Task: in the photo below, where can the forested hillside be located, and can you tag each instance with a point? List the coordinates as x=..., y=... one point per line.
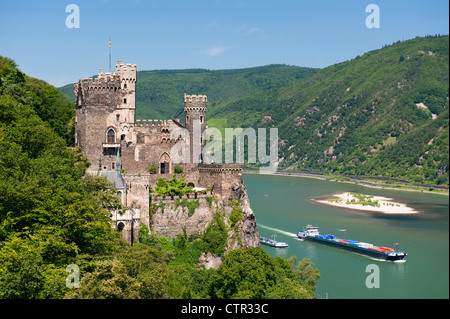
x=52, y=215
x=381, y=114
x=159, y=94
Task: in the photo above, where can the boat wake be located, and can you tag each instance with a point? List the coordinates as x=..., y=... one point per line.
x=278, y=231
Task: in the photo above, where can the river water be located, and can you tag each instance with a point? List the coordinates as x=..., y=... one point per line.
x=282, y=207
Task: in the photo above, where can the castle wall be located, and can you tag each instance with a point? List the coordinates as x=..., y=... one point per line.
x=223, y=176
x=108, y=104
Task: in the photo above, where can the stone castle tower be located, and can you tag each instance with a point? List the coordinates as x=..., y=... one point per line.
x=105, y=109
x=134, y=154
x=195, y=113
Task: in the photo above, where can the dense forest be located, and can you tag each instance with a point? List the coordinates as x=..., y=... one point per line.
x=384, y=113
x=159, y=93
x=53, y=216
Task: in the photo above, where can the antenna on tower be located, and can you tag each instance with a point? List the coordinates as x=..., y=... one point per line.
x=109, y=44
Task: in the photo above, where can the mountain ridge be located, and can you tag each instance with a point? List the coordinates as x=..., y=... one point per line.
x=384, y=113
x=381, y=114
x=159, y=93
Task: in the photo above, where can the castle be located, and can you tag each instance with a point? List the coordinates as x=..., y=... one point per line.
x=127, y=151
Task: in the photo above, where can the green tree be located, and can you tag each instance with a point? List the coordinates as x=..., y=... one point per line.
x=108, y=281
x=24, y=272
x=252, y=273
x=305, y=272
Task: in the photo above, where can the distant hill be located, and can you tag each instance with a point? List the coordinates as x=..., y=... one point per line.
x=381, y=114
x=159, y=93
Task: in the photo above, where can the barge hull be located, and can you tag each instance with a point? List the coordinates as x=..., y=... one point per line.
x=359, y=250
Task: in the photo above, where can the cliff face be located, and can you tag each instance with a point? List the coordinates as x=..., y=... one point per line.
x=245, y=234
x=170, y=217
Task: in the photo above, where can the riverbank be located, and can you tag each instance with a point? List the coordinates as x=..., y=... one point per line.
x=370, y=203
x=369, y=184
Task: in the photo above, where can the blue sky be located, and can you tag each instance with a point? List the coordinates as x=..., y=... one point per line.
x=211, y=34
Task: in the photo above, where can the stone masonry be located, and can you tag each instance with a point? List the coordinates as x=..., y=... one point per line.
x=124, y=149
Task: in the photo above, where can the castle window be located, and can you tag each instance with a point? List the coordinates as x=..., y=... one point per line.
x=125, y=86
x=111, y=136
x=201, y=119
x=117, y=117
x=124, y=101
x=164, y=164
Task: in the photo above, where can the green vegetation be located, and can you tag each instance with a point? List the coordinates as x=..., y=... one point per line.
x=173, y=187
x=236, y=213
x=215, y=236
x=162, y=268
x=376, y=115
x=365, y=200
x=252, y=273
x=190, y=204
x=382, y=114
x=51, y=216
x=178, y=169
x=45, y=100
x=159, y=94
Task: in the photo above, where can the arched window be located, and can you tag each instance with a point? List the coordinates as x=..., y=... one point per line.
x=164, y=164
x=111, y=136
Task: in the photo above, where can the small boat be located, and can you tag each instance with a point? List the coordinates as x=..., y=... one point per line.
x=272, y=243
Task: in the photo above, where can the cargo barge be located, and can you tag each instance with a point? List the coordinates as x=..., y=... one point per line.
x=272, y=243
x=385, y=253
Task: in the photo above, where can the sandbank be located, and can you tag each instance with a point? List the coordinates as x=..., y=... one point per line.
x=370, y=203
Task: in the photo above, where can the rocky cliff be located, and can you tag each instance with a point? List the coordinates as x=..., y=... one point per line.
x=172, y=216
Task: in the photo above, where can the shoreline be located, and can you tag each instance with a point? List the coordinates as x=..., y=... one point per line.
x=368, y=203
x=375, y=185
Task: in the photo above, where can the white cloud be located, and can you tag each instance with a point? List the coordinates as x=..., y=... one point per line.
x=251, y=30
x=212, y=25
x=215, y=50
x=246, y=30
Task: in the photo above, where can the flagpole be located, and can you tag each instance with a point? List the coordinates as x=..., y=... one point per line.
x=109, y=44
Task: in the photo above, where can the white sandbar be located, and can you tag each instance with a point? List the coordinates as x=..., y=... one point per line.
x=385, y=205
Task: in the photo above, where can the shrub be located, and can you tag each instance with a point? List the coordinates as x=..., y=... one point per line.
x=152, y=169
x=178, y=169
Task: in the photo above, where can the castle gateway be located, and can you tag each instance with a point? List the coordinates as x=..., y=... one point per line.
x=134, y=154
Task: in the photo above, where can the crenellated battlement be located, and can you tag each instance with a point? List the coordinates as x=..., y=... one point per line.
x=135, y=154
x=195, y=98
x=107, y=81
x=103, y=82
x=113, y=89
x=221, y=168
x=123, y=68
x=163, y=123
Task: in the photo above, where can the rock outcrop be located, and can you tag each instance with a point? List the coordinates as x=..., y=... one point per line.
x=170, y=217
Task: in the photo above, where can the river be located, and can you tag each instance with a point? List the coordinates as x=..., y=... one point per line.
x=282, y=207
